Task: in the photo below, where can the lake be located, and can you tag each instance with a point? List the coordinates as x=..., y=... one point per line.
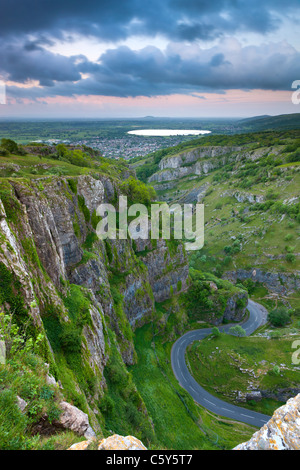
x=167, y=132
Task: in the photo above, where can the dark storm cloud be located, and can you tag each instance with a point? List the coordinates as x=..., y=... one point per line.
x=27, y=27
x=123, y=72
x=118, y=19
x=30, y=61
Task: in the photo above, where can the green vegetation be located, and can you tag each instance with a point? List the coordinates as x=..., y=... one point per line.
x=40, y=160
x=137, y=192
x=279, y=316
x=226, y=364
x=207, y=296
x=122, y=406
x=251, y=221
x=147, y=166
x=24, y=374
x=171, y=408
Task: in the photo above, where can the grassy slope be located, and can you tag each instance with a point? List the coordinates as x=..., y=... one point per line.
x=178, y=421
x=216, y=363
x=263, y=232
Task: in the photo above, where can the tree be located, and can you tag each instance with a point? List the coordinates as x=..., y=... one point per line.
x=10, y=145
x=237, y=331
x=279, y=317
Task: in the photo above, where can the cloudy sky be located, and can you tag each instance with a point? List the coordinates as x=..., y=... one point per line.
x=127, y=58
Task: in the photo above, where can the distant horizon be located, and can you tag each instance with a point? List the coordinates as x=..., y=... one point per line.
x=115, y=118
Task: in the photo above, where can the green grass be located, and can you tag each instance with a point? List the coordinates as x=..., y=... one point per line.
x=226, y=364
x=179, y=422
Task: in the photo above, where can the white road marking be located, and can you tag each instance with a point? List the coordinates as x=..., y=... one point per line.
x=226, y=409
x=210, y=402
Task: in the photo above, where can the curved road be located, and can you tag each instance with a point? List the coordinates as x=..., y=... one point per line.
x=256, y=318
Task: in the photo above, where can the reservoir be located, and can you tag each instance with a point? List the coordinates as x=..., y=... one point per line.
x=167, y=132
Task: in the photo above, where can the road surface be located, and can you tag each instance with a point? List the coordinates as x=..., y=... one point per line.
x=256, y=318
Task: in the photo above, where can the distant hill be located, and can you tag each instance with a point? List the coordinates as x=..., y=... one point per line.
x=261, y=123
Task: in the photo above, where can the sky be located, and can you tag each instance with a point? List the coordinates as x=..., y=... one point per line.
x=132, y=58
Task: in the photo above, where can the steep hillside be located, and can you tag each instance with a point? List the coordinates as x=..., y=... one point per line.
x=77, y=298
x=251, y=198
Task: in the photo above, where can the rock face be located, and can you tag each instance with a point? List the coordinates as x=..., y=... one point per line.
x=71, y=418
x=199, y=161
x=281, y=432
x=167, y=267
x=48, y=245
x=279, y=283
x=74, y=419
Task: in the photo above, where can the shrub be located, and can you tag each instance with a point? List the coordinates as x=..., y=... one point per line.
x=290, y=257
x=9, y=145
x=237, y=331
x=279, y=317
x=137, y=191
x=215, y=331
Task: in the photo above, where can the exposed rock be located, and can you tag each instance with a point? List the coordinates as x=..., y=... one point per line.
x=71, y=418
x=242, y=196
x=280, y=283
x=280, y=394
x=117, y=442
x=199, y=161
x=2, y=210
x=168, y=271
x=21, y=403
x=83, y=445
x=281, y=432
x=254, y=395
x=114, y=442
x=2, y=352
x=44, y=248
x=74, y=419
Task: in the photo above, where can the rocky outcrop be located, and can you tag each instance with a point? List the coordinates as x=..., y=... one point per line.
x=117, y=442
x=75, y=420
x=114, y=442
x=201, y=160
x=281, y=432
x=71, y=419
x=279, y=283
x=186, y=158
x=242, y=196
x=167, y=266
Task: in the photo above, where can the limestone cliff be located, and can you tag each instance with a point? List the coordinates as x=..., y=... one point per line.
x=279, y=283
x=72, y=287
x=281, y=432
x=201, y=160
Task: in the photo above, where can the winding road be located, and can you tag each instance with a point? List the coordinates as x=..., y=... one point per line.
x=256, y=318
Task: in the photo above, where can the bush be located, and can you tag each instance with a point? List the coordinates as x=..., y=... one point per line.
x=70, y=340
x=290, y=257
x=237, y=331
x=107, y=405
x=10, y=146
x=294, y=157
x=138, y=192
x=215, y=331
x=279, y=317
